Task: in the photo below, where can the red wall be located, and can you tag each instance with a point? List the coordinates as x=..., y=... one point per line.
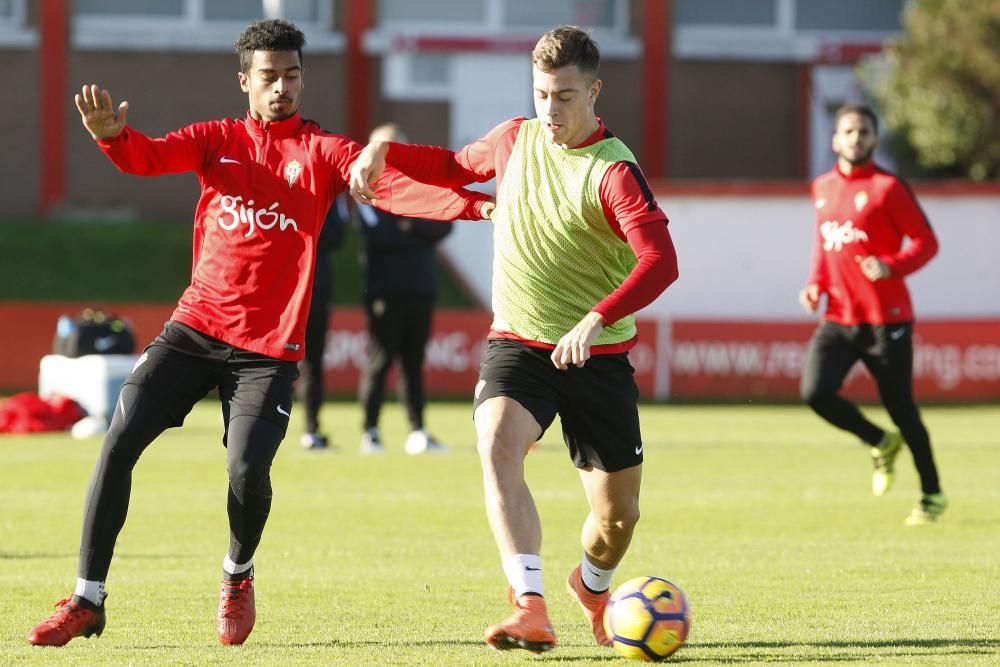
x=954, y=360
x=27, y=331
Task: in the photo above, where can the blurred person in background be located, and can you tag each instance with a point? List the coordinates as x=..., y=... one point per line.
x=580, y=245
x=267, y=182
x=400, y=285
x=311, y=380
x=859, y=261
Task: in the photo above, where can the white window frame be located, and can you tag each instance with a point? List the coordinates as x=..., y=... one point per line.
x=191, y=31
x=398, y=84
x=14, y=31
x=615, y=41
x=782, y=41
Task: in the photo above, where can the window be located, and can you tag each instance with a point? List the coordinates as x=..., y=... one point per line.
x=211, y=10
x=426, y=42
x=241, y=10
x=211, y=25
x=432, y=11
x=417, y=76
x=595, y=13
x=430, y=69
x=139, y=8
x=848, y=15
x=13, y=28
x=726, y=12
x=797, y=30
x=495, y=16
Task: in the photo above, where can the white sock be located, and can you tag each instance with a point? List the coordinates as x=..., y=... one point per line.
x=594, y=578
x=235, y=568
x=92, y=591
x=524, y=573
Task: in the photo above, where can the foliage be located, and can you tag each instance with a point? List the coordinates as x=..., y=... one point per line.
x=938, y=87
x=136, y=261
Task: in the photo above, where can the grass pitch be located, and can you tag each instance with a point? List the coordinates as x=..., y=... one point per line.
x=762, y=514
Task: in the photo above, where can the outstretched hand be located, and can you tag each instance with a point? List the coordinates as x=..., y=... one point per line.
x=366, y=170
x=98, y=114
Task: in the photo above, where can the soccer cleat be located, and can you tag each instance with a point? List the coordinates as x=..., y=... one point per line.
x=371, y=443
x=528, y=627
x=884, y=458
x=593, y=605
x=420, y=442
x=314, y=441
x=72, y=619
x=928, y=510
x=237, y=611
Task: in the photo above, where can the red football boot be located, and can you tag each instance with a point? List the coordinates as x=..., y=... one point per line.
x=593, y=605
x=71, y=619
x=528, y=627
x=237, y=612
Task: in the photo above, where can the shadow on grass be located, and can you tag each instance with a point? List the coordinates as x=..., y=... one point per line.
x=424, y=643
x=741, y=652
x=51, y=556
x=837, y=651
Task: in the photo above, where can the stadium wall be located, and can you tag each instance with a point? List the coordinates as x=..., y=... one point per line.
x=956, y=360
x=730, y=328
x=744, y=253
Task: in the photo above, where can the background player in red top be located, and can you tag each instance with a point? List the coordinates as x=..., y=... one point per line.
x=859, y=263
x=577, y=249
x=267, y=181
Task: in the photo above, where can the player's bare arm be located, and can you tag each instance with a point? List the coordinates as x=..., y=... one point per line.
x=873, y=268
x=574, y=347
x=809, y=297
x=98, y=112
x=366, y=170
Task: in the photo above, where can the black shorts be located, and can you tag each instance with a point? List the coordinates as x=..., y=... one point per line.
x=182, y=365
x=597, y=404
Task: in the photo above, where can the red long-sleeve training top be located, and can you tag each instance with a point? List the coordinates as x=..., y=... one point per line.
x=265, y=190
x=867, y=213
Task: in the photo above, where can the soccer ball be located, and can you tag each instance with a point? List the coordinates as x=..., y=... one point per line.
x=647, y=618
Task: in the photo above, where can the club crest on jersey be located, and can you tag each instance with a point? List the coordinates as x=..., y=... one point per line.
x=860, y=200
x=292, y=172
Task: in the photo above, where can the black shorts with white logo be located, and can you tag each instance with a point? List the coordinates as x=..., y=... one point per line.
x=597, y=404
x=182, y=365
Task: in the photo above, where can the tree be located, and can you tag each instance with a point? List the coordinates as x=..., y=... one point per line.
x=938, y=87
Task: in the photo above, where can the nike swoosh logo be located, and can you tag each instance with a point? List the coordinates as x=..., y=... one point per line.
x=283, y=412
x=228, y=160
x=532, y=569
x=104, y=343
x=897, y=334
x=638, y=450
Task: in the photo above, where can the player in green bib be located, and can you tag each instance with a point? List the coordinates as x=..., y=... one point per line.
x=579, y=245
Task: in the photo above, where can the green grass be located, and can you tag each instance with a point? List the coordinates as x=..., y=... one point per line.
x=762, y=514
x=143, y=261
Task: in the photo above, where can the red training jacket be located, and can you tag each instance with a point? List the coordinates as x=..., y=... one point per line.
x=867, y=212
x=266, y=188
